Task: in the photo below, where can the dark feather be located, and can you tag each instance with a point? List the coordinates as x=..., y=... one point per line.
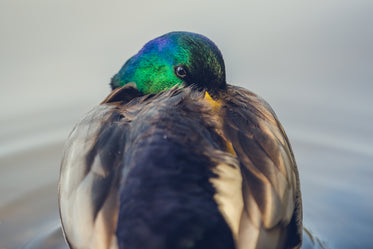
x=165, y=196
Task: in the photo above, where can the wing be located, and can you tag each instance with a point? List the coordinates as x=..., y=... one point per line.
x=272, y=201
x=90, y=172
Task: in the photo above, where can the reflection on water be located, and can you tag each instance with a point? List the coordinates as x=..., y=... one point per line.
x=54, y=240
x=312, y=242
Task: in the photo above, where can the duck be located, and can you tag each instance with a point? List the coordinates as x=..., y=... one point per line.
x=176, y=158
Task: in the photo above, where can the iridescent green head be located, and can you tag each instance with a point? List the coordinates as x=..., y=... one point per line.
x=176, y=58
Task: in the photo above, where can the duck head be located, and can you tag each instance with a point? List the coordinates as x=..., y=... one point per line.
x=176, y=58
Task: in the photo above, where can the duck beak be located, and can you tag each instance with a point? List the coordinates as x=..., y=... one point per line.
x=215, y=104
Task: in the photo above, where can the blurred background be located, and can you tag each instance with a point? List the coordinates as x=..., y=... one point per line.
x=311, y=60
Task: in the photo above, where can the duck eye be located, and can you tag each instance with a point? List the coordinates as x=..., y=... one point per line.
x=180, y=72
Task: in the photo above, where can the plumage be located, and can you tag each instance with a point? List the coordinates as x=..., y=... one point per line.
x=197, y=164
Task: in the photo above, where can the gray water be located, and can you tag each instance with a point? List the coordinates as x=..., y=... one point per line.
x=312, y=61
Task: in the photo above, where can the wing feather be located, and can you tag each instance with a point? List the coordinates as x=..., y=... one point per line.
x=90, y=174
x=271, y=189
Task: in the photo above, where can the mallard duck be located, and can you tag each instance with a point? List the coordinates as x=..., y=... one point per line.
x=176, y=158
